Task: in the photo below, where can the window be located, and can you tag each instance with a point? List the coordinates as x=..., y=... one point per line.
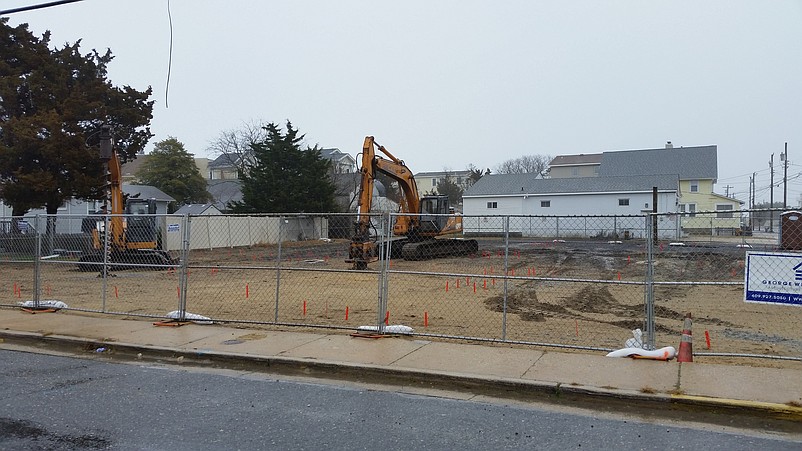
x=545, y=203
x=434, y=182
x=92, y=206
x=623, y=202
x=694, y=186
x=689, y=208
x=575, y=172
x=492, y=205
x=724, y=210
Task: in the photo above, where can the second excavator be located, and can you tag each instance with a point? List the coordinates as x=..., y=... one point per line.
x=416, y=230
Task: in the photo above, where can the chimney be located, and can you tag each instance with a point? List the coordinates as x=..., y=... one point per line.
x=669, y=145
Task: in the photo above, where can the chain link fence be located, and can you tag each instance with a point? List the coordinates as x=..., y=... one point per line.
x=583, y=282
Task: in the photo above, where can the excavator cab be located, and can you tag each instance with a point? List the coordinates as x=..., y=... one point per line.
x=140, y=228
x=432, y=209
x=419, y=231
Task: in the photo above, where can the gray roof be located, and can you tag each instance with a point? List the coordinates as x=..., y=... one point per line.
x=443, y=174
x=226, y=160
x=146, y=192
x=130, y=168
x=689, y=163
x=223, y=192
x=512, y=184
x=334, y=154
x=581, y=159
x=196, y=209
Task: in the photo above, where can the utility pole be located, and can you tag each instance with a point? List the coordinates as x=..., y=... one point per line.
x=727, y=190
x=751, y=198
x=785, y=177
x=771, y=199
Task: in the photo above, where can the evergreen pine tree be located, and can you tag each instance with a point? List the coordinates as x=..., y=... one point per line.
x=285, y=178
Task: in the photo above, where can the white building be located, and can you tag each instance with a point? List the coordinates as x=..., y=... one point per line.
x=617, y=205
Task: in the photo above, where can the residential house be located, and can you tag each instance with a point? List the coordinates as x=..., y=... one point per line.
x=129, y=169
x=198, y=210
x=427, y=181
x=224, y=185
x=558, y=203
x=341, y=163
x=73, y=211
x=225, y=166
x=696, y=167
x=569, y=166
x=224, y=192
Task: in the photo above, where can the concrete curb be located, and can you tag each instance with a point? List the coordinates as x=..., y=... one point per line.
x=504, y=388
x=779, y=410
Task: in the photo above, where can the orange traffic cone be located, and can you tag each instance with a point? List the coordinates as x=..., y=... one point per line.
x=685, y=353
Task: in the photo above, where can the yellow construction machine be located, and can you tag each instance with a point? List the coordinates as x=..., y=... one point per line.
x=133, y=235
x=422, y=219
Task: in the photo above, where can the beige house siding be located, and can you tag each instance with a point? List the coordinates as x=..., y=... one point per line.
x=427, y=181
x=563, y=172
x=721, y=217
x=223, y=174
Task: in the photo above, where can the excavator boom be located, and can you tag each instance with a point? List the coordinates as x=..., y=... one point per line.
x=422, y=219
x=132, y=235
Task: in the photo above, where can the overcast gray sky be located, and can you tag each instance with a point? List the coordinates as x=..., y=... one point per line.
x=444, y=84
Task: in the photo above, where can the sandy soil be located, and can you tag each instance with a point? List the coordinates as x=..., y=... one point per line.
x=462, y=296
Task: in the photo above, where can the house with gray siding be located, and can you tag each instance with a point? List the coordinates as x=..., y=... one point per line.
x=617, y=205
x=70, y=215
x=696, y=167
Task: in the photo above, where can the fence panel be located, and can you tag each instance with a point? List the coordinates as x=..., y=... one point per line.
x=703, y=272
x=291, y=274
x=17, y=260
x=76, y=269
x=568, y=281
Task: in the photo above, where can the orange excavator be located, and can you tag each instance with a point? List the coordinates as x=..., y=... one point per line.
x=415, y=231
x=132, y=230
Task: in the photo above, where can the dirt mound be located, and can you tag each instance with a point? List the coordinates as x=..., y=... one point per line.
x=594, y=299
x=588, y=303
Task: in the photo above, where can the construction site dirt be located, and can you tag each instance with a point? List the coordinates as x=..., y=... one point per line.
x=586, y=294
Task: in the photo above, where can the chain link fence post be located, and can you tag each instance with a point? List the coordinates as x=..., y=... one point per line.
x=37, y=263
x=104, y=270
x=184, y=273
x=506, y=275
x=648, y=295
x=278, y=264
x=384, y=253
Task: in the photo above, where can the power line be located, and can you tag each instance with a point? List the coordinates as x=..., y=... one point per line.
x=35, y=7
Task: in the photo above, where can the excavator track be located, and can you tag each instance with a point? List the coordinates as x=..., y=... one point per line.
x=438, y=248
x=138, y=259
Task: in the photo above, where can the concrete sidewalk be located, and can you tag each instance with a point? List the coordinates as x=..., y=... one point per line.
x=413, y=362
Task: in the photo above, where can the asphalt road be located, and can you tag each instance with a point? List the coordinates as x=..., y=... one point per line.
x=58, y=402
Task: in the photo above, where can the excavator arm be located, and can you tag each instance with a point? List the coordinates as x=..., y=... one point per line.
x=363, y=247
x=394, y=168
x=109, y=156
x=132, y=234
x=424, y=219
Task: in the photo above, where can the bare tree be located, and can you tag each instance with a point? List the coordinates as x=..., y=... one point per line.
x=527, y=164
x=235, y=144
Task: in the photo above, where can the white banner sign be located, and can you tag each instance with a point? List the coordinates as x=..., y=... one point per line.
x=773, y=278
